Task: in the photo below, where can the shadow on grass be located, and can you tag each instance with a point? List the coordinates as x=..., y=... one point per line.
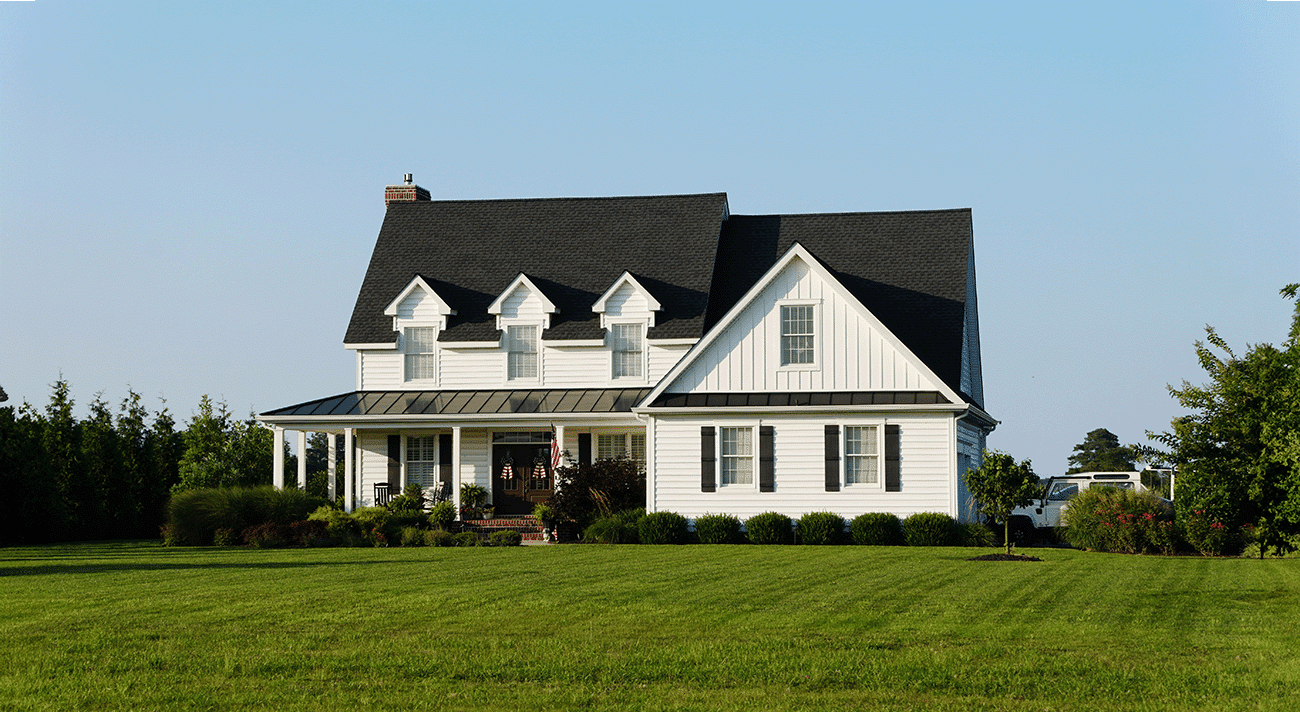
x=61, y=569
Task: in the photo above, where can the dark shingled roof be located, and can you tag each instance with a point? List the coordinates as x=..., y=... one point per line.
x=571, y=248
x=908, y=268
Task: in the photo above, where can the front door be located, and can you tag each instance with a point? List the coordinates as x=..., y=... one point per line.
x=521, y=477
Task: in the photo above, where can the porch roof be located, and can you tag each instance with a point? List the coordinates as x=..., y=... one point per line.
x=489, y=402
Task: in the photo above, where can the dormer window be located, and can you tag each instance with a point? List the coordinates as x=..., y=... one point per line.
x=521, y=353
x=421, y=354
x=628, y=348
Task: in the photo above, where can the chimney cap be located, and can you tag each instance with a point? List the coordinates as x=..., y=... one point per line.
x=408, y=178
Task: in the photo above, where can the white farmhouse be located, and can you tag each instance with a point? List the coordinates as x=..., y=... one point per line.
x=753, y=363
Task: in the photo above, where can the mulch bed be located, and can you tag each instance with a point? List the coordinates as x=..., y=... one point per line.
x=1003, y=557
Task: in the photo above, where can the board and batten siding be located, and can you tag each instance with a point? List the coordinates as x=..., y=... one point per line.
x=926, y=451
x=852, y=354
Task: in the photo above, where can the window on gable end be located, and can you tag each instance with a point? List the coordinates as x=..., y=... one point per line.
x=798, y=334
x=421, y=344
x=628, y=350
x=521, y=359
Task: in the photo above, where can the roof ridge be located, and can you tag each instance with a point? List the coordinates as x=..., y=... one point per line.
x=582, y=198
x=855, y=212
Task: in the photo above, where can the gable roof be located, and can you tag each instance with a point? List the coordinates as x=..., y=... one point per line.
x=908, y=268
x=573, y=249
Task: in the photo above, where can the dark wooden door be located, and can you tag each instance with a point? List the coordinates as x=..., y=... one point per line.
x=529, y=481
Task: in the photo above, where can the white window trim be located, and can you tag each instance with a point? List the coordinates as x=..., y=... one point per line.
x=505, y=350
x=644, y=378
x=437, y=359
x=753, y=455
x=819, y=335
x=627, y=434
x=406, y=457
x=879, y=484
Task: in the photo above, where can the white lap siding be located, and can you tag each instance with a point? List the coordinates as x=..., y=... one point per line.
x=926, y=454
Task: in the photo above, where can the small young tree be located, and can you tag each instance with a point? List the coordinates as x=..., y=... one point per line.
x=999, y=485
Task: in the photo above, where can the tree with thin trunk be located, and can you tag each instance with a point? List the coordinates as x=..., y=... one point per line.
x=999, y=485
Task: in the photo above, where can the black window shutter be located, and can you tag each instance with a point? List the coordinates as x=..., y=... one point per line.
x=708, y=460
x=444, y=458
x=584, y=448
x=766, y=458
x=395, y=464
x=893, y=482
x=832, y=458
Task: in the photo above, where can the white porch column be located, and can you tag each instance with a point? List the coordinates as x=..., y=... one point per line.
x=559, y=443
x=455, y=468
x=302, y=459
x=349, y=442
x=333, y=464
x=277, y=457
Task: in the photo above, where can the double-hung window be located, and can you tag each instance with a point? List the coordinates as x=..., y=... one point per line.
x=421, y=342
x=521, y=347
x=422, y=460
x=861, y=455
x=626, y=343
x=737, y=450
x=798, y=334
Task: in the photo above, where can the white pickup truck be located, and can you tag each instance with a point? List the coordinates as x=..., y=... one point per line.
x=1027, y=522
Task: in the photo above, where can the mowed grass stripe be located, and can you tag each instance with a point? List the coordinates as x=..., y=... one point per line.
x=134, y=626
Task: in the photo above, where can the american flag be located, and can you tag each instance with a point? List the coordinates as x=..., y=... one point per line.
x=555, y=449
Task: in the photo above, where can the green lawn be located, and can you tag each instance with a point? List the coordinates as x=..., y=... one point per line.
x=135, y=626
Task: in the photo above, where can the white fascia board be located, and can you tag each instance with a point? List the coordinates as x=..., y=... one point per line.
x=673, y=342
x=470, y=344
x=573, y=343
x=443, y=308
x=360, y=347
x=626, y=278
x=522, y=280
x=801, y=253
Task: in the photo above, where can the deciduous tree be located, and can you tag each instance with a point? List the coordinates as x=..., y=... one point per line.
x=1100, y=451
x=999, y=485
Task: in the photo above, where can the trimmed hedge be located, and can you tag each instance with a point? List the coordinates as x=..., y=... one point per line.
x=770, y=528
x=663, y=528
x=719, y=529
x=928, y=529
x=877, y=529
x=821, y=528
x=505, y=537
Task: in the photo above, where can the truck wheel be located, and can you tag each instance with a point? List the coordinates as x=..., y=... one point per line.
x=1023, y=532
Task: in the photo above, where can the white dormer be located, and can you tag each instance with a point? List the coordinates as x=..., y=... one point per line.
x=522, y=302
x=418, y=305
x=626, y=301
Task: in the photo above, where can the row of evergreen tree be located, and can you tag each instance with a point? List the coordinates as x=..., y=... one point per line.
x=110, y=475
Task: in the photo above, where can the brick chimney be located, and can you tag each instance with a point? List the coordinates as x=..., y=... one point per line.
x=408, y=192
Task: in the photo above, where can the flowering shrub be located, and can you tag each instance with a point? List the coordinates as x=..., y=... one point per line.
x=1211, y=537
x=1119, y=520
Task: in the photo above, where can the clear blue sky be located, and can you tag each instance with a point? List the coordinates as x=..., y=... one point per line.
x=189, y=193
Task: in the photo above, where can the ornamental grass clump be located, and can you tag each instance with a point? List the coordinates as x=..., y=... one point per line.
x=821, y=528
x=877, y=529
x=196, y=515
x=770, y=528
x=719, y=529
x=663, y=528
x=1119, y=520
x=928, y=529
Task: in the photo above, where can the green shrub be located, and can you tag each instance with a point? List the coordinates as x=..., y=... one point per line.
x=1118, y=520
x=411, y=536
x=439, y=537
x=442, y=514
x=770, y=528
x=467, y=539
x=407, y=518
x=975, y=534
x=877, y=529
x=1211, y=537
x=170, y=536
x=197, y=514
x=226, y=536
x=586, y=492
x=339, y=525
x=309, y=532
x=544, y=512
x=821, y=528
x=928, y=529
x=619, y=528
x=719, y=529
x=663, y=528
x=505, y=537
